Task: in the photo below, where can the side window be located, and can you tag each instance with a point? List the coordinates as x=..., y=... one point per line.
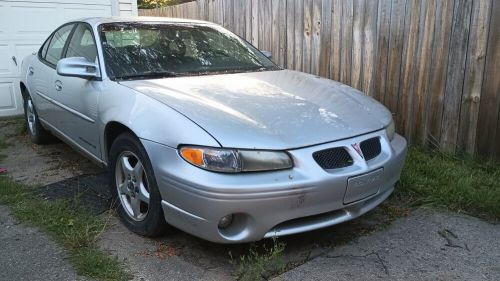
x=56, y=45
x=45, y=46
x=82, y=44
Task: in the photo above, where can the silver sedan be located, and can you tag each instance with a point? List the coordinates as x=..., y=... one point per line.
x=201, y=131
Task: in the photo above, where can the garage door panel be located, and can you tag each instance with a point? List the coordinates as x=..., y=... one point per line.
x=3, y=19
x=20, y=14
x=6, y=99
x=71, y=12
x=87, y=2
x=6, y=68
x=10, y=98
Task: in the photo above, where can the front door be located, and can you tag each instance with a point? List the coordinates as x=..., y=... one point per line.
x=78, y=97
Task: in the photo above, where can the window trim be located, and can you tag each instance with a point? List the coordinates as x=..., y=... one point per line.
x=49, y=40
x=65, y=49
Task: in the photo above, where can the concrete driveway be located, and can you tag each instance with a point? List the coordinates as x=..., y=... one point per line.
x=423, y=245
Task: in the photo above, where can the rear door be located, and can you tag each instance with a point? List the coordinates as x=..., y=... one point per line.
x=42, y=72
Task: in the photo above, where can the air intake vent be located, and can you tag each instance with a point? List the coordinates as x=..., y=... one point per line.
x=333, y=158
x=371, y=148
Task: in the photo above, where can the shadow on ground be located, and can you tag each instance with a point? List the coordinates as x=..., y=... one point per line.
x=186, y=251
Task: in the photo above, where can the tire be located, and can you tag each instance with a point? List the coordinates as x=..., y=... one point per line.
x=134, y=188
x=36, y=131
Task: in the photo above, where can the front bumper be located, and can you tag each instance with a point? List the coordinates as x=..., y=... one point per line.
x=268, y=204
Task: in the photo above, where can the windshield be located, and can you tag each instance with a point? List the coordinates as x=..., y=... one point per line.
x=138, y=50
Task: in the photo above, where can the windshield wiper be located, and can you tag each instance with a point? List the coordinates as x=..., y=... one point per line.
x=150, y=74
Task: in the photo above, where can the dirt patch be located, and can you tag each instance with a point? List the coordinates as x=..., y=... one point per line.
x=63, y=173
x=39, y=165
x=60, y=172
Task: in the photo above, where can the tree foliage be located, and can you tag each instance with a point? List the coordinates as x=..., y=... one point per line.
x=151, y=4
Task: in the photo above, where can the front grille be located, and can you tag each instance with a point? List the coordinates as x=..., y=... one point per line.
x=371, y=148
x=333, y=158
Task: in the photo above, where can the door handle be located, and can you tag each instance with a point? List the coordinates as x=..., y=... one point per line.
x=58, y=85
x=31, y=70
x=14, y=59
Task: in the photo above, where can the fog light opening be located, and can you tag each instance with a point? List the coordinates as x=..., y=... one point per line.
x=225, y=221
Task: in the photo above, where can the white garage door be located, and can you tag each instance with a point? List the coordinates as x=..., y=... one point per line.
x=24, y=25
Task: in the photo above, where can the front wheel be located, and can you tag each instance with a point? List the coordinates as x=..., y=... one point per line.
x=134, y=187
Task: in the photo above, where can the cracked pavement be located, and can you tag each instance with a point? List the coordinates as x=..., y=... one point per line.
x=426, y=245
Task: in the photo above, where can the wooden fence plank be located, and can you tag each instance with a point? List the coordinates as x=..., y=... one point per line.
x=357, y=43
x=265, y=18
x=238, y=17
x=345, y=66
x=440, y=50
x=369, y=47
x=290, y=34
x=307, y=36
x=248, y=20
x=326, y=18
x=282, y=32
x=405, y=110
x=255, y=23
x=455, y=74
x=488, y=137
x=383, y=34
x=335, y=40
x=316, y=36
x=476, y=53
x=275, y=35
x=299, y=31
x=211, y=10
x=427, y=21
x=228, y=21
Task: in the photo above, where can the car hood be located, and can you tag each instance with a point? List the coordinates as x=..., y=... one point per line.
x=268, y=110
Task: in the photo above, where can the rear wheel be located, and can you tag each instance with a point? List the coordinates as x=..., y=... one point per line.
x=134, y=187
x=36, y=132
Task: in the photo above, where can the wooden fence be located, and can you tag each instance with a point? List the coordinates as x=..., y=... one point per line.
x=434, y=63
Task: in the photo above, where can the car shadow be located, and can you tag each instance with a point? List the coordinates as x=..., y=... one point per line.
x=92, y=191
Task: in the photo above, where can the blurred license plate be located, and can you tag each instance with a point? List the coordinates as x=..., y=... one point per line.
x=363, y=186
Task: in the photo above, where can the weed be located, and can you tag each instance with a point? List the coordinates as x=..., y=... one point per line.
x=261, y=262
x=72, y=226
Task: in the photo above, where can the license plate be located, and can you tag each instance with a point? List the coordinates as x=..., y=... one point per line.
x=363, y=186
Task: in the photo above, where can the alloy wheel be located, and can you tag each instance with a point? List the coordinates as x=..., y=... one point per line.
x=30, y=116
x=132, y=185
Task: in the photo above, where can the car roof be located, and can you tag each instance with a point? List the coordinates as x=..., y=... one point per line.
x=99, y=20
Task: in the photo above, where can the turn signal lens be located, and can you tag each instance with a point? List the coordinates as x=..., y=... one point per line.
x=234, y=160
x=213, y=159
x=193, y=156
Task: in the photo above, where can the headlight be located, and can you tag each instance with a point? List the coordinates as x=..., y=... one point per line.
x=235, y=160
x=391, y=130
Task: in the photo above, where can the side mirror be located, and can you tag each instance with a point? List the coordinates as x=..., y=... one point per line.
x=268, y=54
x=77, y=67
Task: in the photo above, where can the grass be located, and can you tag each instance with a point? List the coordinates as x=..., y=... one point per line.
x=261, y=262
x=435, y=179
x=69, y=224
x=463, y=185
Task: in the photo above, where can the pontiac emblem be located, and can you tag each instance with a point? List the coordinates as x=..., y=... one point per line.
x=358, y=149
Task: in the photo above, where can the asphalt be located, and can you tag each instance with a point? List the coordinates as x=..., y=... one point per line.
x=27, y=254
x=165, y=258
x=427, y=245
